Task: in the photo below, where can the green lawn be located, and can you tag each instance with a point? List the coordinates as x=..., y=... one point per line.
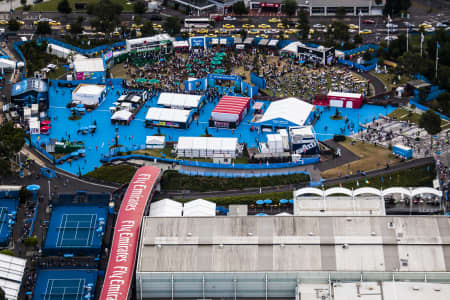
x=388, y=79
x=402, y=114
x=52, y=5
x=57, y=73
x=120, y=173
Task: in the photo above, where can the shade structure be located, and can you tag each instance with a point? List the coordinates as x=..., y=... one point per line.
x=231, y=109
x=191, y=74
x=188, y=65
x=291, y=201
x=284, y=201
x=189, y=69
x=267, y=201
x=260, y=202
x=45, y=123
x=216, y=62
x=261, y=215
x=153, y=81
x=141, y=80
x=219, y=71
x=221, y=54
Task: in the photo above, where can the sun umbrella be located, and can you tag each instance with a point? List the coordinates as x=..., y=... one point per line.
x=261, y=215
x=153, y=81
x=216, y=62
x=267, y=201
x=260, y=202
x=291, y=201
x=188, y=65
x=191, y=74
x=284, y=201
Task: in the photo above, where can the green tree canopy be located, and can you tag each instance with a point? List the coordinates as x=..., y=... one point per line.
x=303, y=21
x=358, y=39
x=43, y=28
x=339, y=32
x=431, y=122
x=77, y=27
x=239, y=8
x=13, y=25
x=341, y=12
x=147, y=29
x=64, y=7
x=140, y=7
x=289, y=7
x=107, y=13
x=395, y=7
x=172, y=25
x=11, y=141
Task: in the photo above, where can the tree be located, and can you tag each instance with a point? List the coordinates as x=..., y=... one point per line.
x=444, y=102
x=239, y=8
x=30, y=241
x=2, y=294
x=431, y=122
x=303, y=21
x=23, y=2
x=358, y=39
x=43, y=28
x=140, y=7
x=172, y=25
x=76, y=28
x=341, y=12
x=107, y=13
x=147, y=29
x=339, y=32
x=13, y=25
x=11, y=141
x=395, y=7
x=367, y=56
x=64, y=7
x=289, y=7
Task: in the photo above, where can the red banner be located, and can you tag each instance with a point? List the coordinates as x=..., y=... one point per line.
x=263, y=4
x=122, y=256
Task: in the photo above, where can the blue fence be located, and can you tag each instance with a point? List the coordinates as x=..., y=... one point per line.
x=359, y=66
x=424, y=108
x=109, y=81
x=45, y=153
x=87, y=52
x=240, y=175
x=257, y=80
x=361, y=49
x=33, y=221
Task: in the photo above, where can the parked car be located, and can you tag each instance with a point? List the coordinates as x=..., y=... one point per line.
x=229, y=18
x=368, y=21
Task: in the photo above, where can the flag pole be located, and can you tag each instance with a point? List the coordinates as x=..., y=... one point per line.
x=407, y=35
x=421, y=42
x=437, y=59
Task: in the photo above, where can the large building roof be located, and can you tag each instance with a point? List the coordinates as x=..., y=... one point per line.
x=292, y=110
x=295, y=244
x=30, y=84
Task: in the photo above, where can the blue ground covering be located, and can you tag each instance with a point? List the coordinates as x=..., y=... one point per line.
x=65, y=284
x=7, y=207
x=135, y=134
x=75, y=229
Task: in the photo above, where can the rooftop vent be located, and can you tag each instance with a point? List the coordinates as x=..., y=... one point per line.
x=250, y=234
x=189, y=234
x=373, y=233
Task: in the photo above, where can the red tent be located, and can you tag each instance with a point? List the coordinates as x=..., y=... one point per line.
x=45, y=123
x=231, y=109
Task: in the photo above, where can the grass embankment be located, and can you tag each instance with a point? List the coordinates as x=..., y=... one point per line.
x=402, y=114
x=419, y=176
x=388, y=79
x=172, y=180
x=52, y=5
x=114, y=173
x=371, y=158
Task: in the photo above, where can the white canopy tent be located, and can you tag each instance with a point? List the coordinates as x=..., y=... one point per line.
x=199, y=208
x=11, y=273
x=84, y=65
x=60, y=51
x=7, y=64
x=207, y=146
x=166, y=208
x=175, y=100
x=88, y=94
x=292, y=47
x=122, y=115
x=290, y=109
x=180, y=44
x=167, y=114
x=155, y=142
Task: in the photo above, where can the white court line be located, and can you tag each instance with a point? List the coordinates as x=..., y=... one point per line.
x=46, y=289
x=51, y=289
x=91, y=232
x=59, y=231
x=4, y=217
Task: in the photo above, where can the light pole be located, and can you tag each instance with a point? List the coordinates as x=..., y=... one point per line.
x=359, y=22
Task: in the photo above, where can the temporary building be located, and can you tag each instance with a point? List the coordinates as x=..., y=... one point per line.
x=7, y=64
x=273, y=43
x=285, y=113
x=292, y=48
x=89, y=65
x=35, y=126
x=275, y=143
x=88, y=94
x=230, y=111
x=166, y=208
x=248, y=41
x=155, y=142
x=122, y=116
x=347, y=100
x=207, y=147
x=199, y=208
x=59, y=51
x=168, y=117
x=180, y=44
x=11, y=270
x=303, y=140
x=183, y=101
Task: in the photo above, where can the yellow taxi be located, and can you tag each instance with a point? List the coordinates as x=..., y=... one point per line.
x=68, y=27
x=264, y=36
x=202, y=31
x=236, y=36
x=3, y=22
x=191, y=34
x=137, y=26
x=248, y=26
x=101, y=34
x=425, y=25
x=365, y=31
x=311, y=31
x=116, y=33
x=54, y=23
x=156, y=26
x=264, y=26
x=274, y=20
x=253, y=31
x=353, y=26
x=291, y=31
x=228, y=26
x=211, y=35
x=282, y=26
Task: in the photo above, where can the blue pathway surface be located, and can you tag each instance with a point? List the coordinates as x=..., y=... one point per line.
x=135, y=134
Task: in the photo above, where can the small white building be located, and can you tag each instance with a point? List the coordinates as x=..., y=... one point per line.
x=166, y=208
x=88, y=94
x=207, y=147
x=180, y=101
x=155, y=142
x=199, y=208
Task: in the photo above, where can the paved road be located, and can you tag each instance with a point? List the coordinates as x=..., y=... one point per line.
x=377, y=84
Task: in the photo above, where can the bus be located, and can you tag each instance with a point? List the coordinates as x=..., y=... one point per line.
x=197, y=23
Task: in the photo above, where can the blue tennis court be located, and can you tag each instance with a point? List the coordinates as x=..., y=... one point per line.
x=76, y=229
x=65, y=284
x=8, y=210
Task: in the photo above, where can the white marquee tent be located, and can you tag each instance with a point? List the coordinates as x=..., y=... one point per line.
x=122, y=115
x=7, y=64
x=166, y=208
x=175, y=100
x=292, y=47
x=86, y=65
x=88, y=94
x=290, y=109
x=199, y=208
x=11, y=273
x=167, y=114
x=207, y=146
